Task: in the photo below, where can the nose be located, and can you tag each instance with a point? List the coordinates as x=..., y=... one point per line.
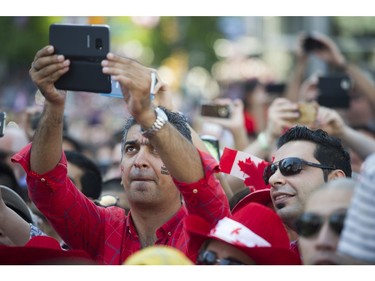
x=277, y=179
x=141, y=159
x=326, y=239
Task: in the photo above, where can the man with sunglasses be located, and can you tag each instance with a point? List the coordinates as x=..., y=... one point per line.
x=304, y=160
x=320, y=226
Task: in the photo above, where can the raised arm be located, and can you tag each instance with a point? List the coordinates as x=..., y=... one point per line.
x=297, y=75
x=332, y=55
x=46, y=150
x=135, y=81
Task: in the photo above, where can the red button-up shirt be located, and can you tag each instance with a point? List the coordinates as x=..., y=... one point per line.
x=108, y=234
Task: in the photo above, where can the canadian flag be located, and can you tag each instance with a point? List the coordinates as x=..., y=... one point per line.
x=244, y=166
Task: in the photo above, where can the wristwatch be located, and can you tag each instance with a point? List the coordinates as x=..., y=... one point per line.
x=161, y=120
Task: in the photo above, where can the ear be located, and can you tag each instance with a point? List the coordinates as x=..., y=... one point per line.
x=336, y=174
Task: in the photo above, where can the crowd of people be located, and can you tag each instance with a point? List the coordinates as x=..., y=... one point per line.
x=163, y=198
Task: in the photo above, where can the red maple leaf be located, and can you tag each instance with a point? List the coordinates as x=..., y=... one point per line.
x=255, y=172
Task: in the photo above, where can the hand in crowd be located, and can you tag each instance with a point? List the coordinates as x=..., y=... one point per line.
x=236, y=119
x=301, y=54
x=330, y=53
x=308, y=91
x=135, y=80
x=281, y=116
x=330, y=121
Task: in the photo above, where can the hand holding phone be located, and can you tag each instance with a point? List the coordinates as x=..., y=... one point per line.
x=215, y=110
x=308, y=113
x=311, y=44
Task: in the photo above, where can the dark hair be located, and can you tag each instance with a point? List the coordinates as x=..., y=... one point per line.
x=77, y=145
x=329, y=150
x=178, y=120
x=91, y=179
x=238, y=196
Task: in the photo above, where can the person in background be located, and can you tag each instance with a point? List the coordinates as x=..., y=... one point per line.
x=361, y=111
x=13, y=140
x=320, y=225
x=304, y=160
x=84, y=173
x=113, y=194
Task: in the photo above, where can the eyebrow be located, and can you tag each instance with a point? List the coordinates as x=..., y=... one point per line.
x=130, y=142
x=134, y=142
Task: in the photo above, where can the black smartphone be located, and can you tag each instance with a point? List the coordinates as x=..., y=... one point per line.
x=86, y=46
x=3, y=118
x=212, y=144
x=215, y=110
x=334, y=91
x=311, y=44
x=275, y=88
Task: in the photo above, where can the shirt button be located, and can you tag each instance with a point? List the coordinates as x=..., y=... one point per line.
x=42, y=179
x=195, y=191
x=169, y=233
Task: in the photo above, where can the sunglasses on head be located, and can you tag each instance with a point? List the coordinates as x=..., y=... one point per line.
x=288, y=167
x=308, y=224
x=210, y=258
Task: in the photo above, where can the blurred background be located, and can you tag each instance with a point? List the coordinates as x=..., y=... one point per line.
x=198, y=57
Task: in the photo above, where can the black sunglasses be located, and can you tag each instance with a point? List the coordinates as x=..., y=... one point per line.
x=308, y=224
x=289, y=166
x=210, y=258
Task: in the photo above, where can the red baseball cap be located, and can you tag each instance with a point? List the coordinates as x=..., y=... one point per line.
x=261, y=196
x=254, y=229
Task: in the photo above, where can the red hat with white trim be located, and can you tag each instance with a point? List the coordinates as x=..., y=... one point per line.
x=255, y=229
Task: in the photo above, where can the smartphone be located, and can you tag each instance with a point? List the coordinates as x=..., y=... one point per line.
x=311, y=44
x=215, y=110
x=275, y=88
x=86, y=46
x=115, y=92
x=3, y=118
x=308, y=113
x=212, y=144
x=334, y=91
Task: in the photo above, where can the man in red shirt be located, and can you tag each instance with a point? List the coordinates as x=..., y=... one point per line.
x=159, y=164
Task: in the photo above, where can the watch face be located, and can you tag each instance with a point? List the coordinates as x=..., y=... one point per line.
x=160, y=113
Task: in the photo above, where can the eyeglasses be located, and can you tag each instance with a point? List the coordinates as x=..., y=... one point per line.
x=290, y=166
x=308, y=224
x=210, y=258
